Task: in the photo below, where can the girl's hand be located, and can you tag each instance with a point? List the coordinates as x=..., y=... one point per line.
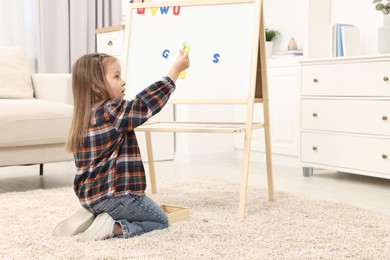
x=181, y=63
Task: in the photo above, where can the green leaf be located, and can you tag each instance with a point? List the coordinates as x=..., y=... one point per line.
x=379, y=7
x=270, y=34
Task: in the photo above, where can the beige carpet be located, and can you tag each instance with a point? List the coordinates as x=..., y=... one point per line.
x=289, y=228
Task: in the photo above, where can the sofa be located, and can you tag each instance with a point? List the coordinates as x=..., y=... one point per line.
x=35, y=112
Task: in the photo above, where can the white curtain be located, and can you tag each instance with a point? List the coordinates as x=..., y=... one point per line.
x=18, y=22
x=67, y=30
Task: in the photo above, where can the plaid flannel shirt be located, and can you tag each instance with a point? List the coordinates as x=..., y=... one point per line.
x=110, y=162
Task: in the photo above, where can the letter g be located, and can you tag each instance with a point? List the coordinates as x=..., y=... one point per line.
x=165, y=54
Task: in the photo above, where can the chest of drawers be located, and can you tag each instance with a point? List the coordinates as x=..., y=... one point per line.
x=110, y=40
x=345, y=115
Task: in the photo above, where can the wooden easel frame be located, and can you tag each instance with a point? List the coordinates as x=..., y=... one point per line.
x=258, y=93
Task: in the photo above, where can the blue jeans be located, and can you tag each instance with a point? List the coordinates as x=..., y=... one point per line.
x=135, y=214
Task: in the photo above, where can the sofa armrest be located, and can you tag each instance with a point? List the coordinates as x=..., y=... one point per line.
x=53, y=87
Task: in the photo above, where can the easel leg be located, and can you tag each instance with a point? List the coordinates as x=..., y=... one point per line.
x=244, y=175
x=269, y=163
x=267, y=133
x=151, y=162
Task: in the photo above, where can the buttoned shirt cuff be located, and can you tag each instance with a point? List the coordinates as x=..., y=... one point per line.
x=168, y=79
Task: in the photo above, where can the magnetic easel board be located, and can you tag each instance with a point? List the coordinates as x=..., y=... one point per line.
x=220, y=36
x=233, y=29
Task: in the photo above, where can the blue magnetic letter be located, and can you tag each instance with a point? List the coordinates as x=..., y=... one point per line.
x=165, y=54
x=164, y=10
x=216, y=58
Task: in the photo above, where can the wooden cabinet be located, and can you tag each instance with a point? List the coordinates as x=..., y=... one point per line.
x=345, y=115
x=110, y=41
x=283, y=90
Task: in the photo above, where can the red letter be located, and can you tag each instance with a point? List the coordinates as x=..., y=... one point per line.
x=140, y=10
x=176, y=10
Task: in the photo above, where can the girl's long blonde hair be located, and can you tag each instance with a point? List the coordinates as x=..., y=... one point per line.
x=87, y=71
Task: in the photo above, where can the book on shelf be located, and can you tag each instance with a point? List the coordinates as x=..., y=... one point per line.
x=351, y=41
x=287, y=53
x=345, y=40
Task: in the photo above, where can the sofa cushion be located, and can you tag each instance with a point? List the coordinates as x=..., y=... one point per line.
x=33, y=122
x=15, y=80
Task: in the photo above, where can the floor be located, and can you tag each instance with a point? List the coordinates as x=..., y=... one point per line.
x=362, y=191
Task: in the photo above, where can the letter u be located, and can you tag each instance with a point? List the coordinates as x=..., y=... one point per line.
x=176, y=10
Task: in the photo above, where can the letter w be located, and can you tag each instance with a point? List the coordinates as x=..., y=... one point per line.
x=164, y=10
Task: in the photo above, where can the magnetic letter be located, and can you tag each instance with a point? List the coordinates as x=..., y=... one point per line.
x=216, y=58
x=187, y=48
x=164, y=10
x=153, y=10
x=165, y=54
x=183, y=74
x=176, y=10
x=140, y=10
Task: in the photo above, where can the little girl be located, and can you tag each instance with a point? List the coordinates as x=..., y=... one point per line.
x=110, y=179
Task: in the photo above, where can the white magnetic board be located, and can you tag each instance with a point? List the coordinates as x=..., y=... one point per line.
x=220, y=37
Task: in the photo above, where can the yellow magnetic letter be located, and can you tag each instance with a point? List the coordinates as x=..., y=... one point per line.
x=186, y=49
x=182, y=74
x=153, y=10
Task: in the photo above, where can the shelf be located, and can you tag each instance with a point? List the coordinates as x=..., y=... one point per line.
x=213, y=101
x=197, y=127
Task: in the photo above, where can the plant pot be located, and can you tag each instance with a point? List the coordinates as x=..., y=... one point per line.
x=384, y=35
x=269, y=48
x=384, y=40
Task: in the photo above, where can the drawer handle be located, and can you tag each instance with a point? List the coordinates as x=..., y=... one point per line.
x=109, y=43
x=315, y=114
x=384, y=118
x=385, y=78
x=314, y=148
x=384, y=156
x=315, y=80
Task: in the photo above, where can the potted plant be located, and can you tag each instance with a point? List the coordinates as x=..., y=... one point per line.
x=383, y=6
x=270, y=35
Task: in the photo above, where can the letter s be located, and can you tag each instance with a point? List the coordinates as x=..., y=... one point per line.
x=216, y=58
